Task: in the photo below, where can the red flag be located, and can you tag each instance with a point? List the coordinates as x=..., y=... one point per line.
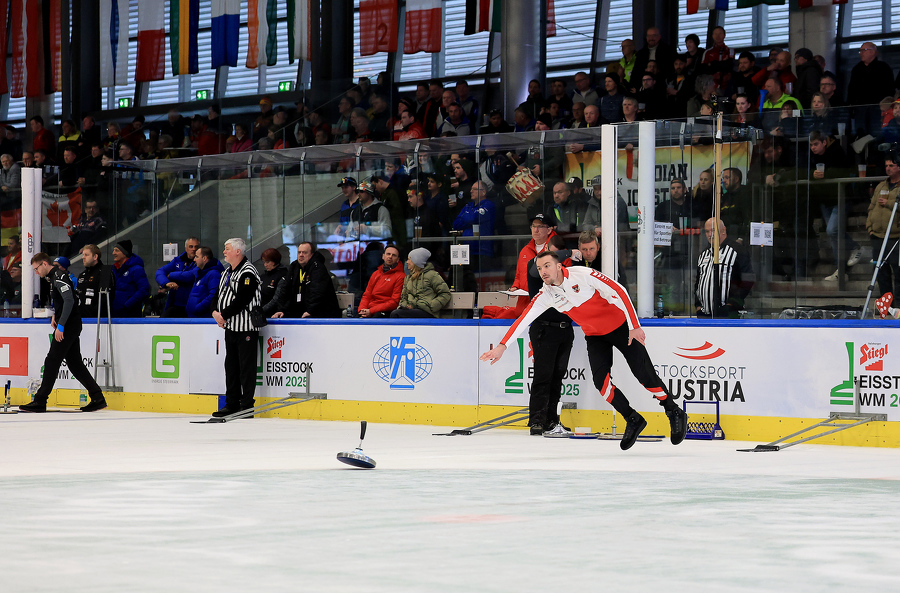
x=424, y=30
x=811, y=3
x=4, y=14
x=377, y=26
x=55, y=32
x=551, y=19
x=151, y=51
x=27, y=48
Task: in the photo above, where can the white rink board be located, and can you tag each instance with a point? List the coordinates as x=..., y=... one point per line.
x=754, y=369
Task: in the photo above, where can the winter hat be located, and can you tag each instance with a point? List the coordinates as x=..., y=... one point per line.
x=805, y=54
x=419, y=256
x=126, y=247
x=62, y=261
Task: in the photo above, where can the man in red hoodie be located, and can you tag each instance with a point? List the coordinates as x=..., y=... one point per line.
x=382, y=295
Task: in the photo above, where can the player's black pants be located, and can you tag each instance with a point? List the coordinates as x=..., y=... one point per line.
x=68, y=350
x=240, y=369
x=551, y=344
x=600, y=355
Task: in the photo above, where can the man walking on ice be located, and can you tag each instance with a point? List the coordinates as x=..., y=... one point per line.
x=603, y=309
x=65, y=344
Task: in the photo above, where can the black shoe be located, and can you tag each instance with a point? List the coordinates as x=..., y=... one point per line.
x=226, y=411
x=553, y=425
x=34, y=407
x=678, y=423
x=536, y=430
x=96, y=403
x=635, y=424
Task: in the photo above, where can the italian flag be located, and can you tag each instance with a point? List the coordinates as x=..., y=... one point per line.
x=150, y=42
x=424, y=26
x=299, y=30
x=483, y=15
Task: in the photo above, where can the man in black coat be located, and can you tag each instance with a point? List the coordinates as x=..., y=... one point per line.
x=655, y=49
x=310, y=292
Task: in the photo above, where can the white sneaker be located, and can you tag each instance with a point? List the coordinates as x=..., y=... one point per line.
x=833, y=278
x=854, y=258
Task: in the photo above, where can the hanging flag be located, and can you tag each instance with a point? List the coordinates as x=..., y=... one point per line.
x=226, y=24
x=4, y=18
x=184, y=21
x=551, y=19
x=752, y=3
x=299, y=18
x=424, y=26
x=811, y=3
x=483, y=15
x=151, y=54
x=27, y=49
x=58, y=213
x=262, y=47
x=377, y=26
x=52, y=17
x=695, y=5
x=113, y=42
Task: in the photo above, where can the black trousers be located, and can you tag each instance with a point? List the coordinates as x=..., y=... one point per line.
x=68, y=350
x=600, y=355
x=240, y=368
x=551, y=346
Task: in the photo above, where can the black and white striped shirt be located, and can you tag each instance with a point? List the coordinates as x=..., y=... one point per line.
x=732, y=268
x=238, y=294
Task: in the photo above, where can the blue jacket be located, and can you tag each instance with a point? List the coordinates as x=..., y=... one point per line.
x=483, y=214
x=205, y=285
x=132, y=288
x=164, y=275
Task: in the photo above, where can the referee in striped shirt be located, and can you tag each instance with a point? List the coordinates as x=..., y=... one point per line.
x=238, y=294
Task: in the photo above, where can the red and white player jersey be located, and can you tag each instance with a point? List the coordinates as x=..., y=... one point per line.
x=591, y=299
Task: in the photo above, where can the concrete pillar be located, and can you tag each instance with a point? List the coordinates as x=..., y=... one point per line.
x=332, y=63
x=85, y=50
x=521, y=58
x=813, y=28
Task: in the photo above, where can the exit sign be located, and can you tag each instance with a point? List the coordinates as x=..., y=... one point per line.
x=286, y=86
x=124, y=103
x=202, y=95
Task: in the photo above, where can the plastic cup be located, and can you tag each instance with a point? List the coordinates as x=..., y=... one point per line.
x=820, y=167
x=862, y=170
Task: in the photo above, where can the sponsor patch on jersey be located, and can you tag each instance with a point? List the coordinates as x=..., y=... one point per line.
x=575, y=287
x=63, y=287
x=246, y=281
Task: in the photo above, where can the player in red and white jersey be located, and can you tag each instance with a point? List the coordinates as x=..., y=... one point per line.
x=603, y=309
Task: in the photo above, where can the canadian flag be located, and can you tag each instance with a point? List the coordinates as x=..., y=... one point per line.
x=424, y=26
x=60, y=212
x=377, y=26
x=811, y=3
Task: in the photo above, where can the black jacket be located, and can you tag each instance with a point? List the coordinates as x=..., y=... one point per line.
x=269, y=282
x=90, y=281
x=313, y=283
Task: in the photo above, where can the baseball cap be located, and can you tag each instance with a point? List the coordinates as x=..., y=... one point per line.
x=575, y=181
x=541, y=218
x=347, y=181
x=365, y=186
x=265, y=100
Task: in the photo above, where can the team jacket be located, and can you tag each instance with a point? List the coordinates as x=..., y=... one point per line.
x=167, y=273
x=65, y=302
x=384, y=290
x=594, y=301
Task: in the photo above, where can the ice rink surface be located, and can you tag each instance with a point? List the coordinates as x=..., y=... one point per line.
x=131, y=502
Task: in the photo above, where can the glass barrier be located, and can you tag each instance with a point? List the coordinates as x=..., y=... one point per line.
x=793, y=191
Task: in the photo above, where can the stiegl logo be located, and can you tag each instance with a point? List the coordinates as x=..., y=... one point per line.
x=872, y=356
x=274, y=346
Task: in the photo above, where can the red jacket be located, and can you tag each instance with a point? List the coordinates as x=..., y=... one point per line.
x=527, y=254
x=383, y=292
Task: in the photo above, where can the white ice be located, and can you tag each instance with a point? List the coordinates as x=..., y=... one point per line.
x=118, y=501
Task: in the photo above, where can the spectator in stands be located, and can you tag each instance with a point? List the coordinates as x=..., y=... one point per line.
x=70, y=137
x=132, y=287
x=677, y=209
x=381, y=115
x=11, y=285
x=578, y=120
x=438, y=200
x=651, y=98
x=350, y=205
x=828, y=161
x=10, y=183
x=425, y=219
x=703, y=194
x=704, y=87
x=177, y=285
x=273, y=274
x=359, y=126
x=744, y=115
x=203, y=280
x=628, y=60
x=464, y=175
x=524, y=120
x=870, y=81
x=821, y=117
x=742, y=80
x=91, y=228
x=776, y=99
x=721, y=289
x=780, y=68
x=611, y=103
x=718, y=60
x=654, y=49
x=558, y=94
x=113, y=136
x=891, y=131
x=584, y=92
x=809, y=75
x=693, y=56
x=242, y=140
x=375, y=218
x=456, y=121
x=828, y=88
x=882, y=204
x=385, y=286
x=735, y=205
x=535, y=101
x=13, y=252
x=390, y=197
x=478, y=218
x=679, y=88
x=134, y=134
x=566, y=215
x=591, y=120
x=410, y=129
x=424, y=291
x=310, y=292
x=630, y=114
x=44, y=162
x=63, y=264
x=71, y=173
x=496, y=124
x=27, y=160
x=95, y=278
x=11, y=144
x=468, y=102
x=90, y=134
x=43, y=138
x=341, y=127
x=263, y=119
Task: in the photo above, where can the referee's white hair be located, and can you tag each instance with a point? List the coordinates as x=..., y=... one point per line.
x=237, y=244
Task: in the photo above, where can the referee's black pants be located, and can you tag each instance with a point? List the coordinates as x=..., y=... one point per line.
x=551, y=344
x=68, y=350
x=600, y=355
x=240, y=368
